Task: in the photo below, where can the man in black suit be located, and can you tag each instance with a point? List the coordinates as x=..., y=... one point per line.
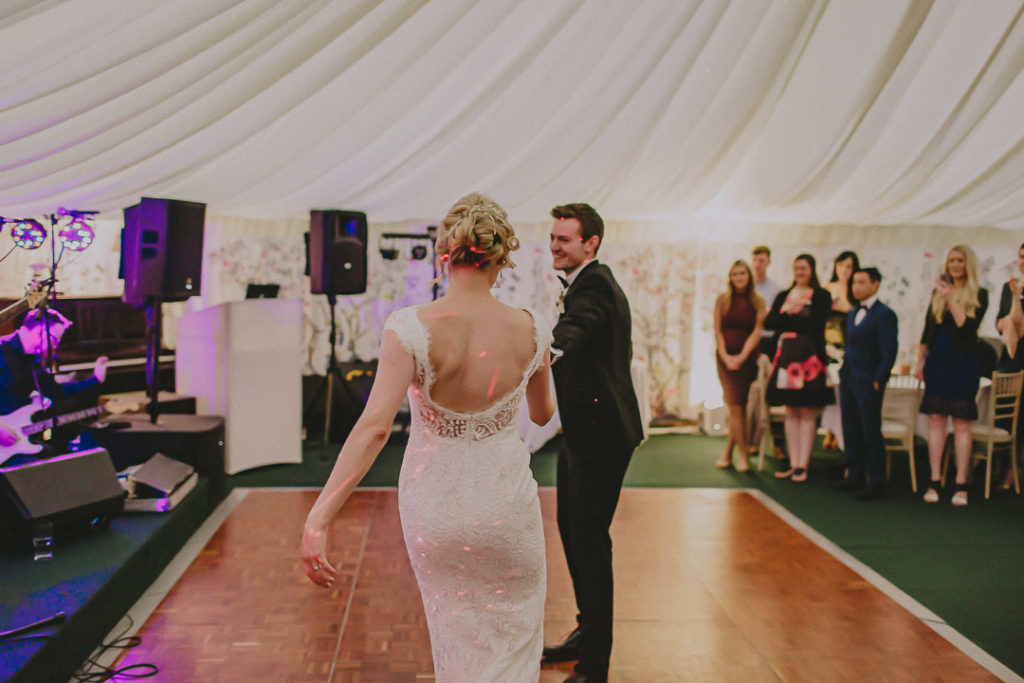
x=871, y=344
x=601, y=427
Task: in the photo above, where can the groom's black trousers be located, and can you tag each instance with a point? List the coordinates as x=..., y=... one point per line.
x=588, y=492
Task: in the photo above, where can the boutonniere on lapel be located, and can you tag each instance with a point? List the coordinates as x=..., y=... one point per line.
x=560, y=303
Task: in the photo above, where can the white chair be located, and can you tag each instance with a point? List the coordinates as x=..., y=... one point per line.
x=759, y=414
x=997, y=428
x=899, y=419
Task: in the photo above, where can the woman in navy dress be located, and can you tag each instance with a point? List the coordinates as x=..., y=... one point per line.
x=950, y=365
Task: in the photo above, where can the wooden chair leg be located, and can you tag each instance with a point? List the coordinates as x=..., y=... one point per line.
x=762, y=447
x=1016, y=475
x=988, y=471
x=913, y=467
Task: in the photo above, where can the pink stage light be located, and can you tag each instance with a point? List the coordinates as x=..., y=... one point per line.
x=77, y=235
x=28, y=233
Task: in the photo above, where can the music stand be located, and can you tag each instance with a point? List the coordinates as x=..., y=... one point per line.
x=262, y=291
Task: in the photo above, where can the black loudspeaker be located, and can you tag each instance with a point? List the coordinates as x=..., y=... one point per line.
x=197, y=440
x=337, y=252
x=162, y=250
x=70, y=491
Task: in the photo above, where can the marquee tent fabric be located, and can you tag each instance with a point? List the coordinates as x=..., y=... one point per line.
x=698, y=129
x=858, y=112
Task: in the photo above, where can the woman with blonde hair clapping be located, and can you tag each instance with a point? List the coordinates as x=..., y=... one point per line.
x=950, y=365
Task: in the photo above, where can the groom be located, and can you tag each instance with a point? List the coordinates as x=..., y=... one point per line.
x=601, y=426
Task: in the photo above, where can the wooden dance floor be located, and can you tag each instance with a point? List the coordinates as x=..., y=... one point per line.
x=712, y=585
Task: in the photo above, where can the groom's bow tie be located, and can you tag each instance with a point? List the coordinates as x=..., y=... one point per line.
x=565, y=283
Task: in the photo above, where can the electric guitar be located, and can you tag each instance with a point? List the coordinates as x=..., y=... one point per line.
x=20, y=423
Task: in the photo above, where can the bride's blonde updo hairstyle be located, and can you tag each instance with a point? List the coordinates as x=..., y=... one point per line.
x=476, y=232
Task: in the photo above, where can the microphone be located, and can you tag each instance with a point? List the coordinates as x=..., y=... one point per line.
x=75, y=213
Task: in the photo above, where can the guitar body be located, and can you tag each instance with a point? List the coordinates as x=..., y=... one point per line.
x=20, y=422
x=17, y=421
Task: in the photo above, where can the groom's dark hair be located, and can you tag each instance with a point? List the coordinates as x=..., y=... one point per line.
x=590, y=221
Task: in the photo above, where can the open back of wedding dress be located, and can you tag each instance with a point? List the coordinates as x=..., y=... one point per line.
x=472, y=524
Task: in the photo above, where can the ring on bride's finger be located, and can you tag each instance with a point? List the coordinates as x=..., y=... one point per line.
x=316, y=567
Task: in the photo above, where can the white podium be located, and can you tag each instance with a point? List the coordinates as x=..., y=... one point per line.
x=242, y=360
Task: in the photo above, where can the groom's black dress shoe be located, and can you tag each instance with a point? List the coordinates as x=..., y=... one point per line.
x=566, y=651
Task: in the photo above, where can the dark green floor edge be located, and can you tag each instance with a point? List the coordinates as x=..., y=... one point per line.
x=964, y=564
x=95, y=578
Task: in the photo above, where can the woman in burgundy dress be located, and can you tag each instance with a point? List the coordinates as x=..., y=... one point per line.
x=739, y=319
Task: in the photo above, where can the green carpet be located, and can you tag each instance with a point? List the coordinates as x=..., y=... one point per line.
x=964, y=564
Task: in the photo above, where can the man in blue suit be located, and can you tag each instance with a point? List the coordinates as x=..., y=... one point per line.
x=871, y=344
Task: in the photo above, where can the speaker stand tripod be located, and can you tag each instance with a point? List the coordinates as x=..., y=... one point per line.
x=154, y=324
x=327, y=383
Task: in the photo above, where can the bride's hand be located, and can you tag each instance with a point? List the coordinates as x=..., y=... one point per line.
x=314, y=556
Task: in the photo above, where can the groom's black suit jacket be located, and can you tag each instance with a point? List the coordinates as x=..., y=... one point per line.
x=596, y=400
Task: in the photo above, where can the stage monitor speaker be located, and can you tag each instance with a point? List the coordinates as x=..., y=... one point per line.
x=162, y=250
x=337, y=252
x=70, y=492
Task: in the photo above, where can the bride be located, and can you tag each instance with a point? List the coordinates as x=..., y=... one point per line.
x=466, y=496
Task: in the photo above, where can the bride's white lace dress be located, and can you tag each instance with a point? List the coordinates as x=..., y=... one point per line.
x=472, y=525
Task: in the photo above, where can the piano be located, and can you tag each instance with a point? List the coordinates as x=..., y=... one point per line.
x=105, y=326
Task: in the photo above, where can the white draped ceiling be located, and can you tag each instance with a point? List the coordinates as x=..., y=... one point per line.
x=856, y=112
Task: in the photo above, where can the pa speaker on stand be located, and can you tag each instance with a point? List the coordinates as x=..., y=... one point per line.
x=337, y=252
x=161, y=260
x=337, y=265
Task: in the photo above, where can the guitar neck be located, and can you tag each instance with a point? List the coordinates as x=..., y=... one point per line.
x=61, y=420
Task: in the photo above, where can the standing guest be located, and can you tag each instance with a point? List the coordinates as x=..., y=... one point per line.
x=739, y=321
x=871, y=345
x=839, y=286
x=767, y=289
x=798, y=379
x=950, y=365
x=1010, y=324
x=601, y=427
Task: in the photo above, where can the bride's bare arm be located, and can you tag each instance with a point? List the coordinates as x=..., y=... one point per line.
x=539, y=399
x=395, y=372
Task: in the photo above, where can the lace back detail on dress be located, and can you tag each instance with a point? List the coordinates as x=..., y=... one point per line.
x=415, y=338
